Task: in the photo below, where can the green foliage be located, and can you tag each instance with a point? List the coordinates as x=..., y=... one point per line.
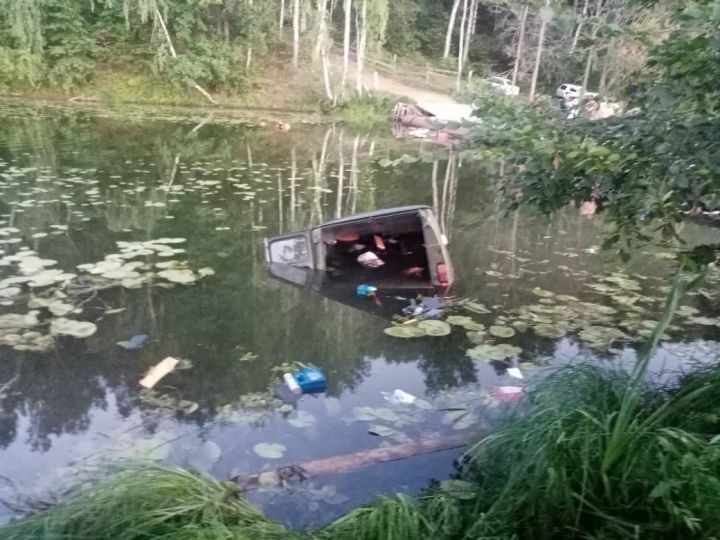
x=209, y=62
x=150, y=502
x=402, y=38
x=646, y=169
x=540, y=476
x=368, y=110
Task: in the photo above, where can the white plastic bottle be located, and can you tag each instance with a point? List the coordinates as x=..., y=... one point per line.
x=292, y=383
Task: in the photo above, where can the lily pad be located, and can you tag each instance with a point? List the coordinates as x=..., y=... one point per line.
x=492, y=352
x=380, y=431
x=178, y=276
x=542, y=293
x=405, y=332
x=69, y=327
x=475, y=307
x=502, y=331
x=302, y=420
x=270, y=450
x=435, y=328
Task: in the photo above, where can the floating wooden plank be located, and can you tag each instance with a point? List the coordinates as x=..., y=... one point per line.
x=158, y=371
x=350, y=462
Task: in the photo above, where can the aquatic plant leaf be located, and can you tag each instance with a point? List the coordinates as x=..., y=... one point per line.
x=178, y=276
x=537, y=291
x=435, y=328
x=550, y=330
x=703, y=321
x=380, y=431
x=502, y=331
x=9, y=292
x=475, y=307
x=364, y=414
x=268, y=480
x=69, y=327
x=270, y=450
x=405, y=331
x=383, y=413
x=304, y=419
x=491, y=352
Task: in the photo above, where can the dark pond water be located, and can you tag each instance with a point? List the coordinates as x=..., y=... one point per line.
x=74, y=183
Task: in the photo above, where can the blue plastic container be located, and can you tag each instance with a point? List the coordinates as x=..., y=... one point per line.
x=311, y=380
x=365, y=290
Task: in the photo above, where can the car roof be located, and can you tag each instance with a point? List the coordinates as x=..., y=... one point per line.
x=377, y=213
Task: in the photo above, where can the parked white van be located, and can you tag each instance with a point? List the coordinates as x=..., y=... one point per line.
x=566, y=91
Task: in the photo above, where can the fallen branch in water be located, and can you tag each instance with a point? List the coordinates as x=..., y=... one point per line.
x=349, y=462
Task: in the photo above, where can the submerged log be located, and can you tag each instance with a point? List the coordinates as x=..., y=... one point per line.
x=350, y=462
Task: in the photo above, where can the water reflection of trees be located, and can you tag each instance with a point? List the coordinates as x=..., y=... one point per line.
x=314, y=176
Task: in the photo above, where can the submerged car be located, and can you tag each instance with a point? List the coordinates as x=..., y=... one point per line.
x=396, y=248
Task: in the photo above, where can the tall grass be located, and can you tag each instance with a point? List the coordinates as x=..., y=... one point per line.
x=149, y=502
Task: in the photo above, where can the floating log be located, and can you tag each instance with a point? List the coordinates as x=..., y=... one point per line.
x=350, y=462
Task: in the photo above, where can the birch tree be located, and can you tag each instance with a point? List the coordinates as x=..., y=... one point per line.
x=281, y=20
x=450, y=28
x=322, y=44
x=347, y=8
x=461, y=43
x=520, y=42
x=150, y=10
x=546, y=15
x=296, y=32
x=361, y=31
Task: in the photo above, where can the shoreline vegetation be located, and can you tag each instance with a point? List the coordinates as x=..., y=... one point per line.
x=542, y=474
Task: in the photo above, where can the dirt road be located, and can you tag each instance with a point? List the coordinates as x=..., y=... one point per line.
x=386, y=83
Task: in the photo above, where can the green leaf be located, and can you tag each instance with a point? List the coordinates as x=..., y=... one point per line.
x=405, y=332
x=459, y=489
x=435, y=328
x=269, y=450
x=380, y=431
x=502, y=331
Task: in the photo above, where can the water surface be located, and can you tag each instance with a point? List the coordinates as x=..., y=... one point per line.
x=75, y=182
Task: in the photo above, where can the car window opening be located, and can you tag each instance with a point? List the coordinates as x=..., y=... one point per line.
x=389, y=251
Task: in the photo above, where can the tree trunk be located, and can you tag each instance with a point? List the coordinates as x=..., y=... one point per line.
x=361, y=31
x=579, y=27
x=296, y=32
x=461, y=43
x=322, y=47
x=248, y=57
x=346, y=43
x=588, y=64
x=604, y=74
x=469, y=29
x=357, y=460
x=281, y=21
x=538, y=57
x=451, y=27
x=173, y=53
x=520, y=43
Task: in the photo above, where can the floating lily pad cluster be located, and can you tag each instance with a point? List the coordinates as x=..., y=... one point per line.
x=33, y=282
x=422, y=328
x=131, y=274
